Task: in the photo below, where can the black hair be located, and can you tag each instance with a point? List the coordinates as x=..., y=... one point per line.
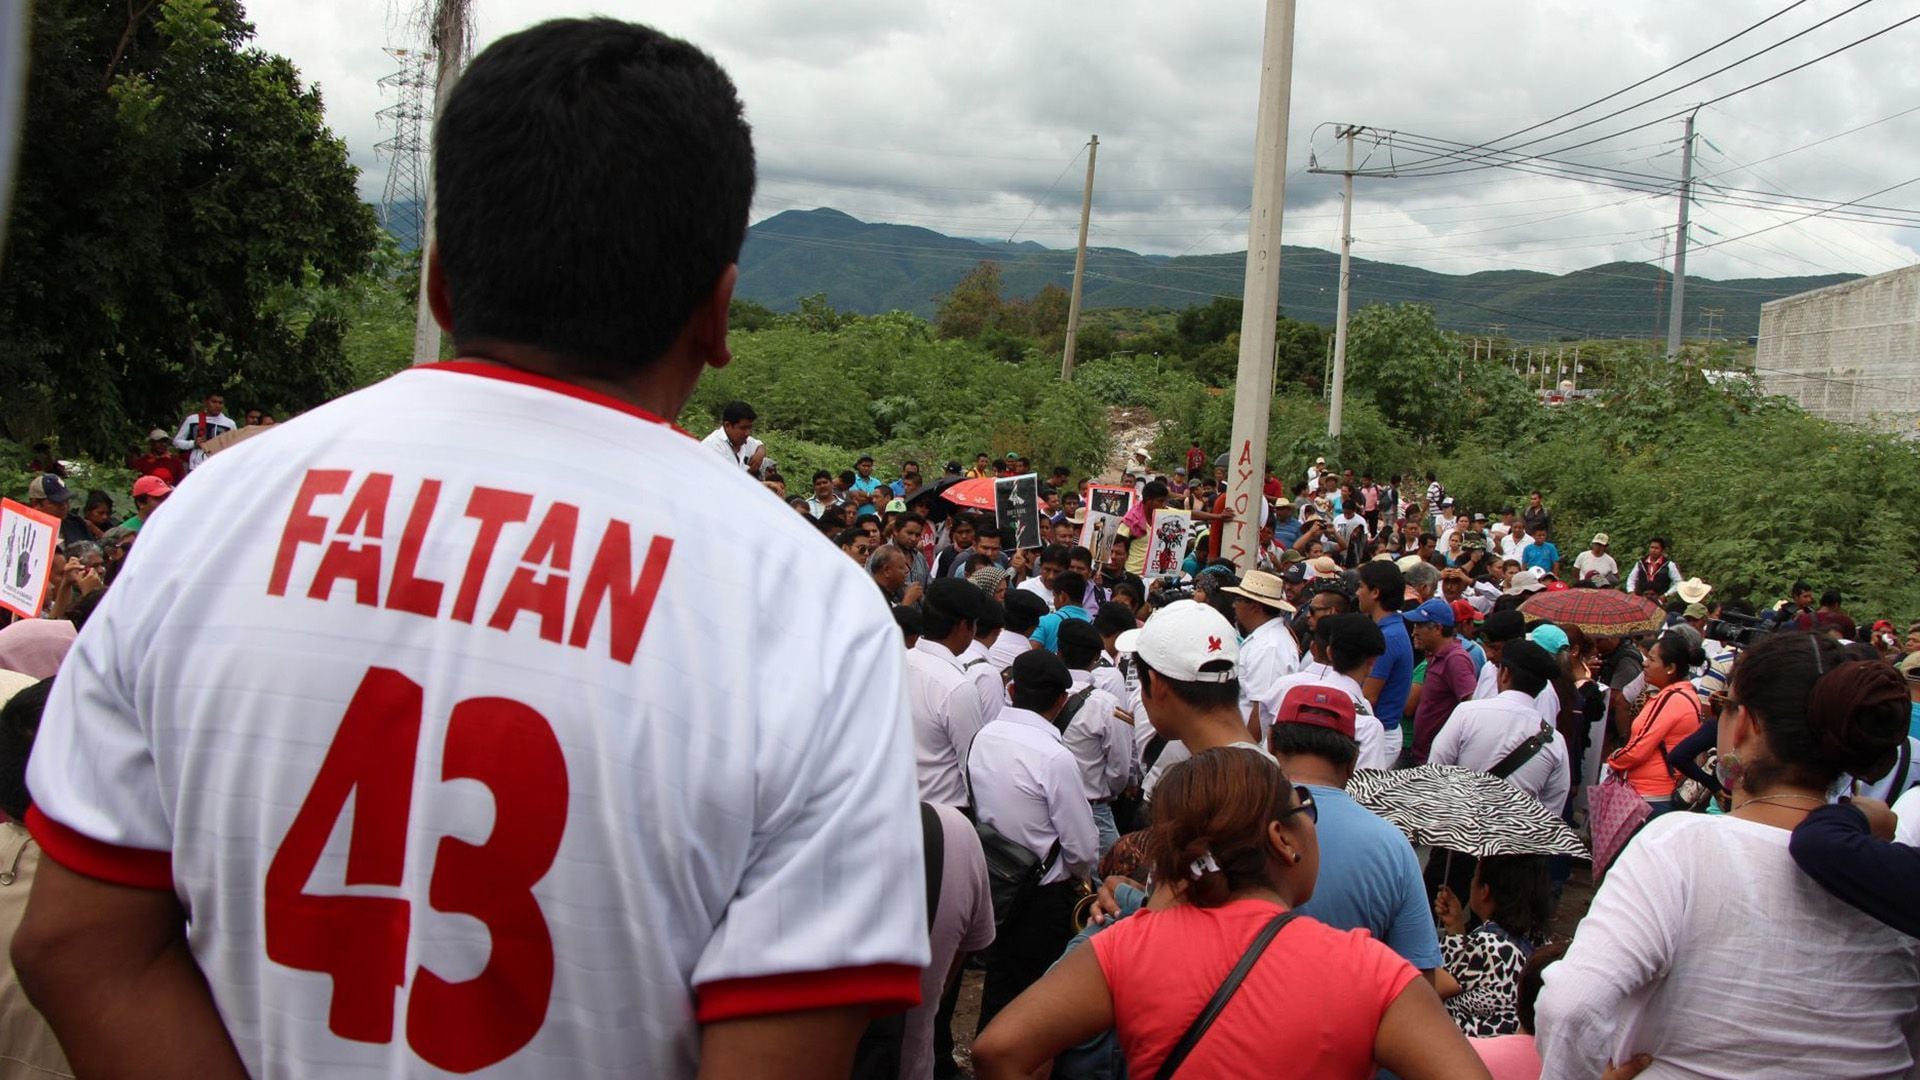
x=97, y=497
x=1024, y=611
x=991, y=616
x=1661, y=540
x=1533, y=979
x=736, y=411
x=1069, y=584
x=1830, y=598
x=848, y=476
x=1798, y=588
x=1526, y=665
x=821, y=474
x=908, y=620
x=1198, y=695
x=1385, y=578
x=988, y=531
x=1313, y=740
x=908, y=518
x=1114, y=619
x=19, y=723
x=1054, y=555
x=1822, y=714
x=1351, y=639
x=1121, y=541
x=1135, y=595
x=947, y=603
x=863, y=459
x=1032, y=699
x=848, y=535
x=1675, y=651
x=1522, y=894
x=1080, y=644
x=593, y=179
x=1080, y=553
x=1155, y=489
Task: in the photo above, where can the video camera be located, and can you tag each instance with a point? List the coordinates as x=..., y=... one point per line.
x=1739, y=631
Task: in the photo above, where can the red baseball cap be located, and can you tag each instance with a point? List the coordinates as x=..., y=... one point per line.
x=1464, y=611
x=149, y=487
x=1321, y=706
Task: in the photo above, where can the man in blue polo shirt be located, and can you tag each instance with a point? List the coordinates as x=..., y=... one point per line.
x=1382, y=588
x=1069, y=590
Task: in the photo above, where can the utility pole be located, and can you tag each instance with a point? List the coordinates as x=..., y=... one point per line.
x=1334, y=410
x=451, y=35
x=1680, y=242
x=1079, y=263
x=1260, y=306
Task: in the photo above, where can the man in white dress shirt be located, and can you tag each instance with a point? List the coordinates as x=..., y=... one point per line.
x=1505, y=734
x=1024, y=612
x=941, y=696
x=734, y=437
x=1099, y=729
x=1027, y=787
x=977, y=659
x=1268, y=653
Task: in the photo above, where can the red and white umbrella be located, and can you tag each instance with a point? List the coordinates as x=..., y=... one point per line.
x=976, y=494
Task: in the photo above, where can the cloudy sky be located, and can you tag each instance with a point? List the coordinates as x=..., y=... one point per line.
x=969, y=117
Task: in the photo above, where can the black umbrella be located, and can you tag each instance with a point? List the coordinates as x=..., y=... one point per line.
x=1462, y=810
x=927, y=502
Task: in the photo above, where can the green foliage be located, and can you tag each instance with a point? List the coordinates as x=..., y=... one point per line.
x=180, y=205
x=887, y=385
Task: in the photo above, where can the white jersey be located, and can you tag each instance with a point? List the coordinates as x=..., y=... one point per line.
x=608, y=780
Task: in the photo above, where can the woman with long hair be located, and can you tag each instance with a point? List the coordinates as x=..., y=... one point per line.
x=1238, y=840
x=1706, y=947
x=1672, y=714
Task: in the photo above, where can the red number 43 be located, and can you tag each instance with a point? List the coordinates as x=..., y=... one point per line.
x=361, y=941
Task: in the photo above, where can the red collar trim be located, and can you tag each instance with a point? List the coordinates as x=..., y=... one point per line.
x=542, y=382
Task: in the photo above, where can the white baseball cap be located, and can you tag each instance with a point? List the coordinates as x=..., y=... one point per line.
x=1181, y=638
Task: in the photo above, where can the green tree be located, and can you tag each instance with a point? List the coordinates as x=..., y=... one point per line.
x=180, y=204
x=974, y=304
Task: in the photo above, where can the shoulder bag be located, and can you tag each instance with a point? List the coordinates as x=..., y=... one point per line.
x=1178, y=1055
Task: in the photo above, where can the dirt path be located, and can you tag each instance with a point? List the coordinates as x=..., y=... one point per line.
x=1133, y=428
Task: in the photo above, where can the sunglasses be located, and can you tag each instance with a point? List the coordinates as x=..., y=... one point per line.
x=1302, y=804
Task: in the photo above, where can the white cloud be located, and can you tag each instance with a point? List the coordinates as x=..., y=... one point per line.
x=959, y=116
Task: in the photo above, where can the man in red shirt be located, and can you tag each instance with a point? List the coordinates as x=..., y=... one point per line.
x=1196, y=461
x=159, y=460
x=1274, y=489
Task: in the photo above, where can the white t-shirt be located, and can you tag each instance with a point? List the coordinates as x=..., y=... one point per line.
x=742, y=456
x=1907, y=811
x=1707, y=948
x=199, y=427
x=1587, y=564
x=945, y=707
x=608, y=780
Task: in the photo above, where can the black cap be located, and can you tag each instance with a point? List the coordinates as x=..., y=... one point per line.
x=1503, y=626
x=1528, y=657
x=1040, y=672
x=957, y=597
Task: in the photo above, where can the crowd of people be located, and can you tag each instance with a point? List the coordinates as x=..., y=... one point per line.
x=1386, y=629
x=658, y=786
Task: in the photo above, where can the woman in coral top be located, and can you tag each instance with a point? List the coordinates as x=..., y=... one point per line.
x=1668, y=717
x=1239, y=840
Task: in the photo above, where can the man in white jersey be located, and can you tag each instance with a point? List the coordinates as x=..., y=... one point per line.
x=624, y=801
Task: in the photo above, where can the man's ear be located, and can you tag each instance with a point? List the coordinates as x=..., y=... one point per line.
x=438, y=300
x=707, y=329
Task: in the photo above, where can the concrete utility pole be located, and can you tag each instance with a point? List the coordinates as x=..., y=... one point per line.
x=451, y=35
x=1253, y=385
x=1079, y=263
x=1346, y=287
x=1680, y=242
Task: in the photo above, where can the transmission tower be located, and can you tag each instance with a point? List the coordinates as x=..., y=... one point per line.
x=403, y=206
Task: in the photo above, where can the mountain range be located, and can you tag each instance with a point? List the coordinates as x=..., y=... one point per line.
x=871, y=267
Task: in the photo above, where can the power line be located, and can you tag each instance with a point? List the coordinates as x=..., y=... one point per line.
x=1635, y=86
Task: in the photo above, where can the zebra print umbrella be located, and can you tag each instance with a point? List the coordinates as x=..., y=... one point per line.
x=1446, y=806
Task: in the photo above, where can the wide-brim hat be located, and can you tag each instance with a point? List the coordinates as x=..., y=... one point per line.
x=1693, y=590
x=1268, y=590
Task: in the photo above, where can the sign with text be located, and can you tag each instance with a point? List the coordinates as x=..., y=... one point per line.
x=1167, y=548
x=27, y=540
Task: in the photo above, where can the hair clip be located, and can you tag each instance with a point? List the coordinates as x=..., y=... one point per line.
x=1203, y=866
